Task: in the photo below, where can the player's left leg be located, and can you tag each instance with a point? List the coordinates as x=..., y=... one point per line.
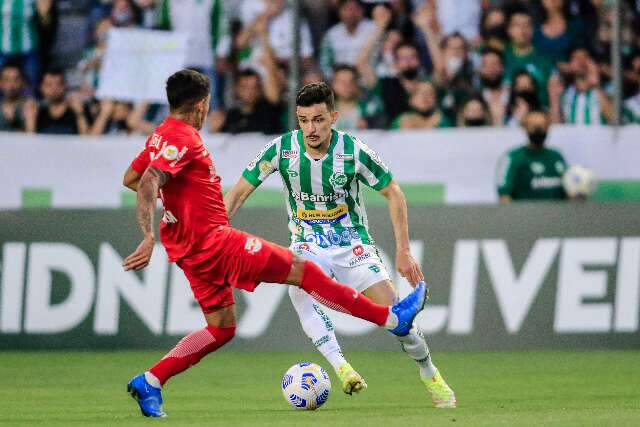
x=415, y=345
x=317, y=325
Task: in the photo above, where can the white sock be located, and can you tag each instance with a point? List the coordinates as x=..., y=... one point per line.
x=152, y=379
x=415, y=346
x=318, y=327
x=392, y=320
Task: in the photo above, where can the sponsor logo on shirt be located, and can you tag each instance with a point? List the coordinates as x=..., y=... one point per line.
x=289, y=154
x=170, y=152
x=156, y=140
x=253, y=245
x=317, y=216
x=321, y=198
x=545, y=182
x=559, y=167
x=344, y=156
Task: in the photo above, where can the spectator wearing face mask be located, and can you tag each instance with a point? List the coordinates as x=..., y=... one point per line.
x=521, y=54
x=585, y=101
x=489, y=82
x=522, y=99
x=395, y=91
x=424, y=112
x=532, y=171
x=493, y=29
x=474, y=112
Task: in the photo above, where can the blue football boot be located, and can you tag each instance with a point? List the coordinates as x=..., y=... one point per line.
x=407, y=309
x=149, y=398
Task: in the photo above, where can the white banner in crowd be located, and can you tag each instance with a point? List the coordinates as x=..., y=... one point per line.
x=87, y=171
x=154, y=55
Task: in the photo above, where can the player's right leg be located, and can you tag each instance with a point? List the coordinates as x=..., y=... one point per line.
x=397, y=318
x=219, y=311
x=317, y=325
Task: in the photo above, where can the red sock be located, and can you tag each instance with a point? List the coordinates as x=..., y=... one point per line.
x=190, y=350
x=340, y=297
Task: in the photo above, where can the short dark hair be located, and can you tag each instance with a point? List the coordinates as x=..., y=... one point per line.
x=186, y=87
x=403, y=44
x=315, y=93
x=56, y=72
x=488, y=50
x=346, y=67
x=12, y=63
x=248, y=72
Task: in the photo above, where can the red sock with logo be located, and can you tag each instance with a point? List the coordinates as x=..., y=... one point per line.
x=340, y=297
x=190, y=350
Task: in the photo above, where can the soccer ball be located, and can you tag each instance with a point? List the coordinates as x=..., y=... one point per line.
x=306, y=386
x=579, y=182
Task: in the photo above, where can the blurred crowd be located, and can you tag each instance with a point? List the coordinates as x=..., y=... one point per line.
x=396, y=64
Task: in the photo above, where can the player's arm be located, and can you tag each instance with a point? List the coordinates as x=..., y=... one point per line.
x=150, y=182
x=235, y=198
x=131, y=178
x=406, y=265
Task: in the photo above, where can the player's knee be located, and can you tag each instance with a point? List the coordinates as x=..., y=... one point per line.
x=222, y=334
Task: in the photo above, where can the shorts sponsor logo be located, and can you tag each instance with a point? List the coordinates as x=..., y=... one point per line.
x=333, y=238
x=316, y=216
x=338, y=179
x=289, y=154
x=359, y=259
x=358, y=250
x=253, y=245
x=344, y=156
x=170, y=152
x=375, y=268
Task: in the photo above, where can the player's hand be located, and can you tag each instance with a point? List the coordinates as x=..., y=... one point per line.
x=139, y=259
x=408, y=268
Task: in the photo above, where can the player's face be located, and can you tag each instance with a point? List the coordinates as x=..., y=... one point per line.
x=315, y=122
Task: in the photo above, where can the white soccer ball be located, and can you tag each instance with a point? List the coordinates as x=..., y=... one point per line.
x=306, y=386
x=579, y=182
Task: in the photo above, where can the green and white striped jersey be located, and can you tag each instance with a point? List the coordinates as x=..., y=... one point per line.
x=323, y=197
x=581, y=108
x=18, y=32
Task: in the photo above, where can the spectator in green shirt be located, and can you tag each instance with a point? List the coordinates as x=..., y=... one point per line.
x=520, y=53
x=532, y=171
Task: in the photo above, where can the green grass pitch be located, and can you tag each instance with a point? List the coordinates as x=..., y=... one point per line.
x=232, y=388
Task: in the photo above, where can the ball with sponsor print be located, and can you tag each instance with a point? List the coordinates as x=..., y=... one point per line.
x=579, y=182
x=306, y=386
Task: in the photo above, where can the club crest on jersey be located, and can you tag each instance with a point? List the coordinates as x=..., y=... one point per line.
x=170, y=152
x=338, y=179
x=253, y=245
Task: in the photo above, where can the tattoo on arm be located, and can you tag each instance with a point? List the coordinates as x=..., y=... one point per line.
x=148, y=187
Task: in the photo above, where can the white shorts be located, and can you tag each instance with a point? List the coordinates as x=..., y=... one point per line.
x=358, y=266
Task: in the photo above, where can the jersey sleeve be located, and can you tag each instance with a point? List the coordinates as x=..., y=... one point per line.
x=371, y=170
x=506, y=175
x=263, y=165
x=140, y=163
x=174, y=155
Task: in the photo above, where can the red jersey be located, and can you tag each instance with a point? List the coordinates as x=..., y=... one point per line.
x=192, y=198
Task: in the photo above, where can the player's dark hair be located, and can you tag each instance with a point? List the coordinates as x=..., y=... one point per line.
x=315, y=93
x=186, y=87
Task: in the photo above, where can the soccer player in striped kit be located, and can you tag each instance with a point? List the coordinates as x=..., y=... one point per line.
x=176, y=166
x=322, y=170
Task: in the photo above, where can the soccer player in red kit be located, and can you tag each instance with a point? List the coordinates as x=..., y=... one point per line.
x=215, y=257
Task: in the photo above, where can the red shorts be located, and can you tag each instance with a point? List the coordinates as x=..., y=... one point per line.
x=229, y=259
